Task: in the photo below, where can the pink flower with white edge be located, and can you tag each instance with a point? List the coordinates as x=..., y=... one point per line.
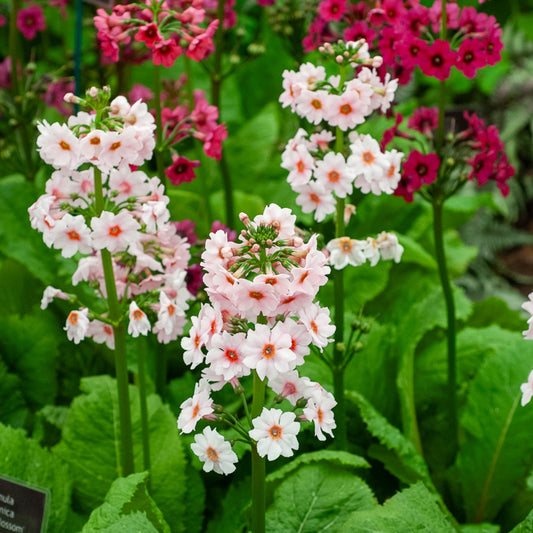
x=292, y=88
x=58, y=146
x=389, y=247
x=392, y=177
x=300, y=164
x=71, y=235
x=291, y=386
x=139, y=323
x=300, y=339
x=50, y=293
x=252, y=298
x=333, y=173
x=215, y=452
x=192, y=345
x=527, y=390
x=319, y=410
x=275, y=433
x=268, y=351
x=102, y=333
x=211, y=320
x=119, y=147
x=322, y=139
x=127, y=183
x=344, y=251
x=167, y=313
x=115, y=232
x=318, y=323
x=77, y=325
x=313, y=197
x=226, y=355
x=368, y=163
x=198, y=406
x=154, y=215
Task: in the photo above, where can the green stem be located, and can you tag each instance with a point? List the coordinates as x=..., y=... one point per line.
x=121, y=366
x=141, y=347
x=450, y=311
x=258, y=463
x=217, y=78
x=158, y=124
x=341, y=435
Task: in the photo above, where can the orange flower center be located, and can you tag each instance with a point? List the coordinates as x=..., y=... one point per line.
x=115, y=231
x=231, y=355
x=334, y=176
x=65, y=145
x=73, y=235
x=137, y=314
x=256, y=295
x=115, y=146
x=368, y=158
x=269, y=350
x=345, y=109
x=73, y=318
x=317, y=104
x=212, y=454
x=275, y=432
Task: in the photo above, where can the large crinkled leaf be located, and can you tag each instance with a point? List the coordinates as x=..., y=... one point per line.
x=480, y=528
x=90, y=445
x=228, y=517
x=23, y=459
x=13, y=409
x=497, y=450
x=127, y=496
x=317, y=498
x=30, y=349
x=526, y=526
x=412, y=509
x=194, y=502
x=398, y=454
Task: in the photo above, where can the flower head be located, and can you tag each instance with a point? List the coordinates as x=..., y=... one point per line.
x=215, y=452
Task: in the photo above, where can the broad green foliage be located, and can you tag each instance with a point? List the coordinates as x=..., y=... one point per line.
x=127, y=503
x=497, y=451
x=526, y=526
x=189, y=205
x=23, y=459
x=13, y=410
x=413, y=509
x=90, y=445
x=480, y=528
x=317, y=498
x=398, y=454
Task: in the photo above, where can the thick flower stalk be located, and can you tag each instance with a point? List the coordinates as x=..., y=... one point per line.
x=327, y=165
x=260, y=324
x=115, y=221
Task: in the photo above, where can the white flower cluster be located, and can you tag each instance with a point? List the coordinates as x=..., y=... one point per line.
x=132, y=222
x=262, y=318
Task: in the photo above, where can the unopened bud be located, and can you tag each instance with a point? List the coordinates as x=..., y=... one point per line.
x=244, y=218
x=365, y=327
x=255, y=248
x=377, y=61
x=340, y=347
x=358, y=346
x=71, y=98
x=339, y=59
x=92, y=92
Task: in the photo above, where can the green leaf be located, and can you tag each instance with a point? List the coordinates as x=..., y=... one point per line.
x=90, y=445
x=23, y=459
x=189, y=205
x=460, y=208
x=415, y=253
x=194, y=502
x=231, y=518
x=13, y=409
x=317, y=498
x=493, y=310
x=412, y=509
x=480, y=528
x=398, y=454
x=497, y=451
x=526, y=526
x=127, y=496
x=458, y=254
x=30, y=349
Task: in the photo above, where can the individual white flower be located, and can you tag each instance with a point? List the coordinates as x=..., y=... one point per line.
x=275, y=433
x=77, y=325
x=345, y=251
x=389, y=247
x=215, y=452
x=114, y=232
x=139, y=324
x=50, y=293
x=318, y=323
x=527, y=389
x=196, y=407
x=320, y=411
x=71, y=235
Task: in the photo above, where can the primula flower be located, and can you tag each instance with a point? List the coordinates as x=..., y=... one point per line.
x=332, y=9
x=215, y=452
x=181, y=170
x=71, y=235
x=114, y=232
x=226, y=355
x=318, y=323
x=345, y=251
x=149, y=35
x=50, y=293
x=319, y=410
x=422, y=166
x=165, y=52
x=198, y=406
x=437, y=60
x=102, y=333
x=527, y=390
x=138, y=324
x=275, y=433
x=470, y=57
x=30, y=20
x=77, y=325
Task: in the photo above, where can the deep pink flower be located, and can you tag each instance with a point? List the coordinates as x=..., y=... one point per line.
x=181, y=170
x=202, y=45
x=482, y=166
x=140, y=92
x=422, y=166
x=165, y=52
x=388, y=135
x=194, y=278
x=437, y=60
x=470, y=57
x=424, y=120
x=359, y=30
x=332, y=9
x=149, y=35
x=394, y=10
x=493, y=45
x=30, y=20
x=185, y=228
x=213, y=142
x=54, y=96
x=217, y=225
x=409, y=49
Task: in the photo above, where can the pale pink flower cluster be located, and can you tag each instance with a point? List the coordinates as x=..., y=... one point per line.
x=149, y=257
x=345, y=251
x=262, y=317
x=318, y=174
x=527, y=388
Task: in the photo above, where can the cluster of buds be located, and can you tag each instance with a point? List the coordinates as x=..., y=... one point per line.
x=96, y=202
x=474, y=153
x=166, y=29
x=406, y=33
x=262, y=320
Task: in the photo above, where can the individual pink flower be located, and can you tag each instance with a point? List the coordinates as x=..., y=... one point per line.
x=58, y=146
x=424, y=120
x=290, y=386
x=165, y=52
x=215, y=452
x=226, y=355
x=30, y=20
x=437, y=59
x=318, y=323
x=149, y=35
x=268, y=351
x=345, y=110
x=77, y=325
x=313, y=197
x=71, y=235
x=202, y=44
x=198, y=406
x=50, y=293
x=344, y=251
x=138, y=324
x=181, y=170
x=192, y=345
x=334, y=174
x=254, y=297
x=332, y=9
x=114, y=232
x=213, y=141
x=424, y=166
x=102, y=333
x=275, y=433
x=470, y=57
